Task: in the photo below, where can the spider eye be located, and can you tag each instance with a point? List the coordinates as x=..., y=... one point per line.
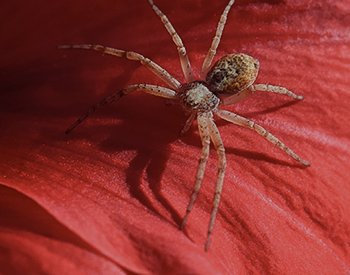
x=232, y=74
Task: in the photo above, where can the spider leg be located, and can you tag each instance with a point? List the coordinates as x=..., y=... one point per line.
x=258, y=87
x=216, y=138
x=205, y=137
x=216, y=40
x=185, y=63
x=275, y=89
x=187, y=124
x=236, y=119
x=146, y=88
x=148, y=63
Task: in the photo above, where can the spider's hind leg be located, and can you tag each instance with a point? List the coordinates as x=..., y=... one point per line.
x=259, y=87
x=242, y=121
x=275, y=89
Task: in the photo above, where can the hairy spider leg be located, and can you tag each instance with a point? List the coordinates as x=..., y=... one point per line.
x=208, y=131
x=259, y=87
x=216, y=40
x=146, y=88
x=220, y=149
x=276, y=90
x=185, y=63
x=148, y=63
x=241, y=121
x=205, y=137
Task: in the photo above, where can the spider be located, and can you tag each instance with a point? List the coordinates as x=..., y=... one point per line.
x=228, y=81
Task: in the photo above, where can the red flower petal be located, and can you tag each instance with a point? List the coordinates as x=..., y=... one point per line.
x=109, y=197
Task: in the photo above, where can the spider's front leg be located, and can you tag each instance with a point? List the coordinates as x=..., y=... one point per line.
x=205, y=137
x=220, y=149
x=146, y=88
x=148, y=63
x=216, y=40
x=207, y=131
x=184, y=61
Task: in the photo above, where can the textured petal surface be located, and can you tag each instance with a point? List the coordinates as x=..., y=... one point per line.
x=109, y=197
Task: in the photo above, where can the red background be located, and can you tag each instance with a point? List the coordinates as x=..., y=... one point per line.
x=109, y=197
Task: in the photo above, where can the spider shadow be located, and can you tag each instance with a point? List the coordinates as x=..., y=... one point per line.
x=152, y=153
x=271, y=109
x=138, y=115
x=146, y=129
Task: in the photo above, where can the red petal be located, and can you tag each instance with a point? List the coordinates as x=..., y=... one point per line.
x=109, y=197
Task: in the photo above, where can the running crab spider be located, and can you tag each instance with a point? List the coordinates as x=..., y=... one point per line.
x=228, y=81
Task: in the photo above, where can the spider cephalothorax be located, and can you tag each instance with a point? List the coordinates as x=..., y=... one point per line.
x=197, y=96
x=228, y=81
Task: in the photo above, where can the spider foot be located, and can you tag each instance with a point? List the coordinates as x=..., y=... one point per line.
x=207, y=244
x=184, y=222
x=304, y=162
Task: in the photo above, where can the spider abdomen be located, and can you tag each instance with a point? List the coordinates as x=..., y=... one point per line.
x=196, y=96
x=232, y=74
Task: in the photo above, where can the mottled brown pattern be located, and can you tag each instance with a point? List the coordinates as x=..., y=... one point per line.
x=232, y=74
x=196, y=96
